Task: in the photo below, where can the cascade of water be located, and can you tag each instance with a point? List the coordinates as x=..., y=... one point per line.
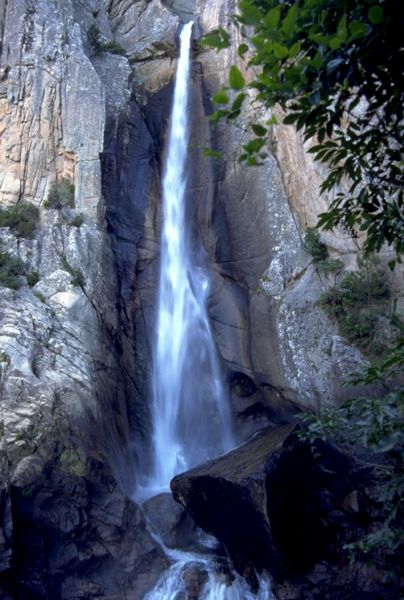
x=172, y=585
x=190, y=413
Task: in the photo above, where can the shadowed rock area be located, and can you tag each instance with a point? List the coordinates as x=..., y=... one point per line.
x=276, y=502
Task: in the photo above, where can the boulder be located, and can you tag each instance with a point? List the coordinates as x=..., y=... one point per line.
x=275, y=502
x=172, y=523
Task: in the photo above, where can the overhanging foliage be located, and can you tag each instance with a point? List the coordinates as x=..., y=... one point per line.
x=335, y=66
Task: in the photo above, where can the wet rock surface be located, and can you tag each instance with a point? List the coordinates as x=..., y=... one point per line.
x=275, y=502
x=172, y=523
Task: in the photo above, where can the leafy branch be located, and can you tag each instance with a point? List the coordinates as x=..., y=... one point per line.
x=334, y=67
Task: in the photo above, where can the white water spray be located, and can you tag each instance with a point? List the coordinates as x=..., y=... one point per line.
x=190, y=413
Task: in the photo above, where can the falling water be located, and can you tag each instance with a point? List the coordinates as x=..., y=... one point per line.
x=190, y=414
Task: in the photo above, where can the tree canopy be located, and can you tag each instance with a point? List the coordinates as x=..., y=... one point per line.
x=335, y=67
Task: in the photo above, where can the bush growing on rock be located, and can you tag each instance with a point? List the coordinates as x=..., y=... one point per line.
x=77, y=221
x=11, y=267
x=61, y=194
x=71, y=462
x=358, y=302
x=32, y=278
x=374, y=426
x=78, y=279
x=94, y=41
x=22, y=218
x=319, y=252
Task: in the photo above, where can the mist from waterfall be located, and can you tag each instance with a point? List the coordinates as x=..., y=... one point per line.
x=190, y=411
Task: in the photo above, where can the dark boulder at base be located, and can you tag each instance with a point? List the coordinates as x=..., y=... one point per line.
x=173, y=524
x=276, y=502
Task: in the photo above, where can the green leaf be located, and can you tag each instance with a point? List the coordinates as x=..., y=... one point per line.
x=279, y=50
x=272, y=121
x=294, y=50
x=254, y=145
x=289, y=22
x=218, y=39
x=217, y=115
x=238, y=102
x=212, y=41
x=272, y=17
x=224, y=35
x=335, y=43
x=252, y=162
x=358, y=29
x=221, y=97
x=209, y=153
x=236, y=78
x=259, y=129
x=342, y=30
x=317, y=61
x=242, y=49
x=291, y=118
x=376, y=14
x=250, y=15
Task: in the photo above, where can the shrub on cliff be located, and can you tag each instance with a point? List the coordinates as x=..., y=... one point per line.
x=61, y=194
x=374, y=426
x=319, y=252
x=94, y=41
x=11, y=267
x=359, y=302
x=22, y=218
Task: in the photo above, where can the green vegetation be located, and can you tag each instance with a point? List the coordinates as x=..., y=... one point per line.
x=28, y=491
x=359, y=302
x=22, y=218
x=11, y=267
x=335, y=68
x=77, y=221
x=61, y=194
x=319, y=252
x=32, y=278
x=94, y=41
x=376, y=426
x=40, y=297
x=78, y=279
x=71, y=462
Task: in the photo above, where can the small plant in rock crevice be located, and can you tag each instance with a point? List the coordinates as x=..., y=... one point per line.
x=94, y=41
x=40, y=297
x=319, y=252
x=71, y=462
x=32, y=278
x=78, y=279
x=61, y=194
x=22, y=218
x=77, y=221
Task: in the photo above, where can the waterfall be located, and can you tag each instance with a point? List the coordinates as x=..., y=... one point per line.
x=190, y=412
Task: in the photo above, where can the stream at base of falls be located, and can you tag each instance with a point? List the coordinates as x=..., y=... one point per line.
x=190, y=409
x=214, y=578
x=171, y=585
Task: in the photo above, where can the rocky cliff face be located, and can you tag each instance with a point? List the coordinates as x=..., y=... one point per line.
x=85, y=93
